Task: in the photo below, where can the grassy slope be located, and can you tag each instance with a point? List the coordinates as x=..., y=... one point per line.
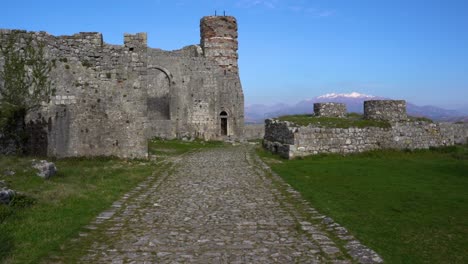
x=409, y=207
x=65, y=203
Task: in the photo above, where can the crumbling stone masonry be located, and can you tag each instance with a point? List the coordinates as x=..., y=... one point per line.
x=290, y=140
x=391, y=110
x=330, y=109
x=110, y=98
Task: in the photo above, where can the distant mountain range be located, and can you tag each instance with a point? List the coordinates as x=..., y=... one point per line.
x=257, y=113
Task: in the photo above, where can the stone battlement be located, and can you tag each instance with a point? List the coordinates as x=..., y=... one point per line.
x=390, y=110
x=330, y=110
x=289, y=140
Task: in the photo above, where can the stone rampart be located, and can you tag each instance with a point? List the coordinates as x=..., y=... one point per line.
x=290, y=141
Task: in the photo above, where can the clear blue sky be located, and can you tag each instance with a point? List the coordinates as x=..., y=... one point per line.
x=292, y=50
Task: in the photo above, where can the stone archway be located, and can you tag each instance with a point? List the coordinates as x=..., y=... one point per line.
x=158, y=101
x=224, y=123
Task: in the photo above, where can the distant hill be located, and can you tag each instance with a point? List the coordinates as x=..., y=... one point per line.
x=257, y=113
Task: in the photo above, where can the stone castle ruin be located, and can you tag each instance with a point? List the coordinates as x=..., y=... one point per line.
x=110, y=99
x=290, y=140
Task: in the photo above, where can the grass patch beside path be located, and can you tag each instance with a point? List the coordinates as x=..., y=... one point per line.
x=160, y=147
x=411, y=207
x=54, y=211
x=351, y=120
x=63, y=204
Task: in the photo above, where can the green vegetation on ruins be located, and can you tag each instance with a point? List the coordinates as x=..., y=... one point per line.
x=420, y=119
x=48, y=213
x=409, y=206
x=24, y=83
x=351, y=120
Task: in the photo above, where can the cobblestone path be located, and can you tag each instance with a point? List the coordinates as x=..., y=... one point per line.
x=219, y=206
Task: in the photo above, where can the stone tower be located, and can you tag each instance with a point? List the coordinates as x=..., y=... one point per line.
x=219, y=40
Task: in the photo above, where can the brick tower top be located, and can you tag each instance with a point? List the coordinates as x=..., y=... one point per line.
x=219, y=40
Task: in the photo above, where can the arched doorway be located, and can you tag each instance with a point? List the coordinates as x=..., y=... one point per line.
x=224, y=123
x=158, y=100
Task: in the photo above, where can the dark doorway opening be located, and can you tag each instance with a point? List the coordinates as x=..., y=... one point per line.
x=224, y=123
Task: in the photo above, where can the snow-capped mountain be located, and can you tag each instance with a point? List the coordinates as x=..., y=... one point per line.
x=345, y=95
x=354, y=102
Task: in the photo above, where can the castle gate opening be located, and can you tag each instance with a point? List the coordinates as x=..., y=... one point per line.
x=158, y=101
x=224, y=123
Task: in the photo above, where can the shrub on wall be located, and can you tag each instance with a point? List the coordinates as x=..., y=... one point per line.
x=24, y=82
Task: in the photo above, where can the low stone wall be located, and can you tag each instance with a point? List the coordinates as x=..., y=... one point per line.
x=423, y=135
x=290, y=141
x=460, y=132
x=254, y=131
x=330, y=109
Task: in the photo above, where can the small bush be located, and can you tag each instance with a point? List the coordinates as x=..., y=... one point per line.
x=86, y=64
x=22, y=201
x=19, y=201
x=63, y=60
x=67, y=66
x=108, y=75
x=5, y=211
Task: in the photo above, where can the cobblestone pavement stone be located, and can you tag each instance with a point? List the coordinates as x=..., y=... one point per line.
x=221, y=205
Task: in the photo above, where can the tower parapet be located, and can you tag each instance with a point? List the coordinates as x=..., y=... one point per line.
x=390, y=110
x=330, y=109
x=135, y=41
x=219, y=40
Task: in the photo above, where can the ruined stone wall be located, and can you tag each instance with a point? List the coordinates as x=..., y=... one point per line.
x=110, y=99
x=199, y=90
x=254, y=131
x=421, y=135
x=390, y=110
x=290, y=141
x=330, y=109
x=459, y=131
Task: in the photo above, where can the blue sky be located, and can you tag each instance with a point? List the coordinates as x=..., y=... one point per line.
x=297, y=49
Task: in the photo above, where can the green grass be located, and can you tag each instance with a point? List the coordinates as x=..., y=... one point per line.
x=63, y=204
x=163, y=148
x=51, y=212
x=411, y=207
x=420, y=118
x=351, y=120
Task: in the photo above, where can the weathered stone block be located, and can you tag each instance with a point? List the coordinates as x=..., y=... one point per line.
x=45, y=169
